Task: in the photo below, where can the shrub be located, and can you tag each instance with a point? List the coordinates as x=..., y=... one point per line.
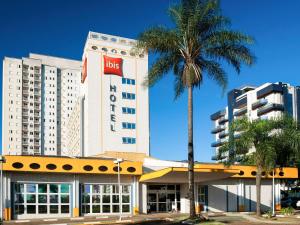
x=287, y=211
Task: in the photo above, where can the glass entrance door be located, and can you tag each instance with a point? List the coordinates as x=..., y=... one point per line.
x=163, y=198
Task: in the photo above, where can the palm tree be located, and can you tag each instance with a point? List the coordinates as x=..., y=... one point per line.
x=199, y=42
x=250, y=134
x=287, y=142
x=275, y=142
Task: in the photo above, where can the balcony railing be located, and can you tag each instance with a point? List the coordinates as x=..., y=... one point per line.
x=219, y=142
x=240, y=112
x=217, y=115
x=223, y=120
x=217, y=129
x=259, y=103
x=270, y=107
x=272, y=88
x=223, y=134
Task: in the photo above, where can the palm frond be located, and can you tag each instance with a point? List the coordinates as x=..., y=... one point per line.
x=160, y=67
x=235, y=55
x=214, y=71
x=157, y=40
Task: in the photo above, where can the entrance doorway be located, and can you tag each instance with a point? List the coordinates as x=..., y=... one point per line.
x=163, y=198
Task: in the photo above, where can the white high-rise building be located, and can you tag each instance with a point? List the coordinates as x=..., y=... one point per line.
x=270, y=100
x=39, y=93
x=115, y=104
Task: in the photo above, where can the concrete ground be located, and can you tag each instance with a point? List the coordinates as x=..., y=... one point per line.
x=161, y=219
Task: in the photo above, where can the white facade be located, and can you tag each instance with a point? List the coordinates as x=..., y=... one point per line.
x=21, y=106
x=74, y=130
x=37, y=104
x=116, y=108
x=270, y=100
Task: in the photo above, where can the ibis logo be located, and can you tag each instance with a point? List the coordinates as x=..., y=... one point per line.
x=113, y=66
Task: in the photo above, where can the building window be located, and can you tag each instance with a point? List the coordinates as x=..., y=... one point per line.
x=126, y=95
x=202, y=197
x=104, y=198
x=128, y=140
x=33, y=198
x=127, y=110
x=128, y=81
x=128, y=125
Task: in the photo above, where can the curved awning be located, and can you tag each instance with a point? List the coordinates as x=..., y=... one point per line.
x=180, y=175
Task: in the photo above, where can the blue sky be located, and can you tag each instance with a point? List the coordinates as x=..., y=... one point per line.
x=59, y=28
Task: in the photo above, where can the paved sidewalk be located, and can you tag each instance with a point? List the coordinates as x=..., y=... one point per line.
x=97, y=219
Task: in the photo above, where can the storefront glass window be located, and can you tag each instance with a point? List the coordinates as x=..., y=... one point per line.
x=105, y=198
x=42, y=198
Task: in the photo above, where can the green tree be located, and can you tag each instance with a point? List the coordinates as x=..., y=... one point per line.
x=275, y=142
x=287, y=142
x=246, y=134
x=197, y=44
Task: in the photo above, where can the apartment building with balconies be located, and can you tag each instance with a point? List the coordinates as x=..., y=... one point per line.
x=269, y=100
x=39, y=92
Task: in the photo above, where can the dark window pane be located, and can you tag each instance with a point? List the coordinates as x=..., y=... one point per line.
x=106, y=208
x=64, y=199
x=171, y=197
x=19, y=188
x=115, y=198
x=115, y=208
x=54, y=209
x=152, y=197
x=96, y=198
x=65, y=209
x=31, y=209
x=30, y=198
x=106, y=198
x=19, y=198
x=42, y=188
x=42, y=209
x=162, y=207
x=42, y=198
x=178, y=196
x=53, y=198
x=125, y=208
x=19, y=209
x=85, y=208
x=171, y=187
x=86, y=199
x=53, y=188
x=162, y=197
x=125, y=199
x=96, y=208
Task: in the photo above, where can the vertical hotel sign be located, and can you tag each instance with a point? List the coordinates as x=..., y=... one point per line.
x=113, y=66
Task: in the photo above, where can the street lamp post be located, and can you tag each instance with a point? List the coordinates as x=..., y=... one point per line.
x=118, y=161
x=2, y=160
x=273, y=192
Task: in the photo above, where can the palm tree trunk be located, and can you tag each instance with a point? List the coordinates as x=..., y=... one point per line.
x=258, y=190
x=191, y=153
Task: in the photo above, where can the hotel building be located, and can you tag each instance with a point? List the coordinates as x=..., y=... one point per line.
x=109, y=120
x=270, y=100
